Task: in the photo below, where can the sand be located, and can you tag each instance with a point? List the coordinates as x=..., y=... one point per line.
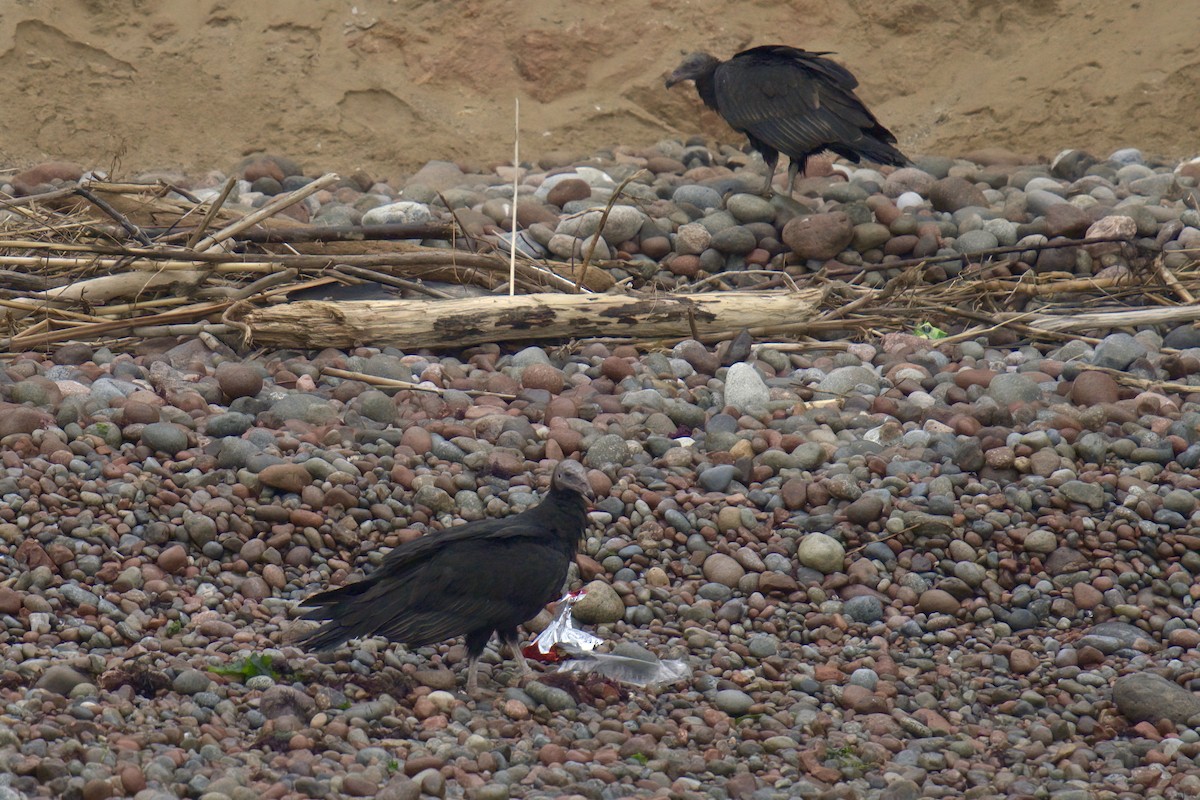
x=385, y=86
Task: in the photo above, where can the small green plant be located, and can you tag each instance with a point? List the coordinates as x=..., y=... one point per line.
x=174, y=627
x=393, y=766
x=845, y=758
x=927, y=330
x=640, y=758
x=247, y=668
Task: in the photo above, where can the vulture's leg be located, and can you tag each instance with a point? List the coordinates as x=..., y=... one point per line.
x=795, y=167
x=509, y=638
x=771, y=158
x=473, y=676
x=772, y=162
x=476, y=641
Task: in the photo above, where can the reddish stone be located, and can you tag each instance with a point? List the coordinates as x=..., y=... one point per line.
x=794, y=493
x=971, y=376
x=934, y=721
x=417, y=438
x=1086, y=596
x=10, y=600
x=132, y=779
x=1094, y=388
x=1064, y=219
x=952, y=193
x=21, y=419
x=34, y=178
x=776, y=583
x=238, y=380
x=1022, y=661
x=567, y=190
x=173, y=560
x=286, y=477
x=686, y=266
x=552, y=753
x=616, y=369
x=303, y=518
x=863, y=700
x=543, y=376
x=937, y=601
x=33, y=555
x=819, y=236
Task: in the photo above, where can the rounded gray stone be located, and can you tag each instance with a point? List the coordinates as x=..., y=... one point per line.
x=1010, y=388
x=600, y=604
x=377, y=406
x=166, y=437
x=191, y=681
x=734, y=702
x=734, y=241
x=745, y=389
x=231, y=423
x=717, y=478
x=750, y=208
x=976, y=241
x=843, y=381
x=404, y=212
x=1149, y=697
x=609, y=450
x=763, y=645
x=1118, y=351
x=703, y=197
x=62, y=679
x=821, y=552
x=864, y=608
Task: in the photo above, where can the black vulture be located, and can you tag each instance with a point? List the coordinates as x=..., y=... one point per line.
x=790, y=101
x=484, y=577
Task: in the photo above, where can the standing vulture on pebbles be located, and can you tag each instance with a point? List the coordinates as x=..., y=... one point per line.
x=790, y=101
x=477, y=579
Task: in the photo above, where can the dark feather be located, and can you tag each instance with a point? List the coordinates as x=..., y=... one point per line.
x=475, y=579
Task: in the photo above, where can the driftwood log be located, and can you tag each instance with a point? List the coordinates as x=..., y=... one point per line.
x=106, y=288
x=412, y=324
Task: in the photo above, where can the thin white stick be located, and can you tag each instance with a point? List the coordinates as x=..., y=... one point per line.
x=512, y=241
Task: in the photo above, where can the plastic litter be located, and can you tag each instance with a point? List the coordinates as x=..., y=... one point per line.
x=574, y=650
x=627, y=669
x=561, y=639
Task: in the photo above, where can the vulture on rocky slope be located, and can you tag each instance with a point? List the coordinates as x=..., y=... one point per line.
x=790, y=101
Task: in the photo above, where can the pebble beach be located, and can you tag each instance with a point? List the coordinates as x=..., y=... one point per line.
x=894, y=568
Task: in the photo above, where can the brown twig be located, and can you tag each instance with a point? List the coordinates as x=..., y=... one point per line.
x=387, y=280
x=1170, y=280
x=587, y=258
x=213, y=209
x=779, y=276
x=106, y=207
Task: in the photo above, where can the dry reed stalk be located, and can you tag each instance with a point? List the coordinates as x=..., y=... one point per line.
x=269, y=210
x=213, y=209
x=512, y=242
x=608, y=207
x=393, y=383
